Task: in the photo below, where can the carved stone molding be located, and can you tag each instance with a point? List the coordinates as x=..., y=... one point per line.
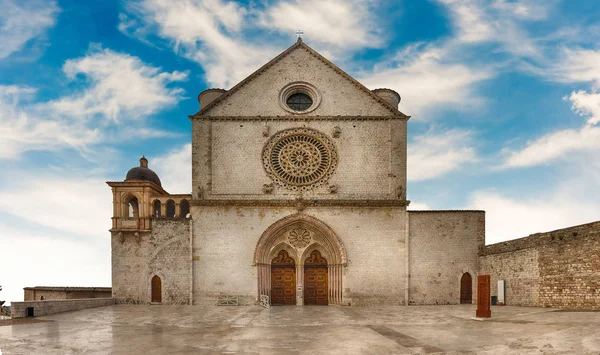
x=305, y=203
x=299, y=118
x=299, y=237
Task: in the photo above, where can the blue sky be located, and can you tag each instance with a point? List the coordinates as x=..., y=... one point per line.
x=504, y=97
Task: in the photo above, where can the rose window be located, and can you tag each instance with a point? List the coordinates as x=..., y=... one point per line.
x=300, y=158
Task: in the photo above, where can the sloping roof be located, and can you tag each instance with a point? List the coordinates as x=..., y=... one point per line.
x=298, y=44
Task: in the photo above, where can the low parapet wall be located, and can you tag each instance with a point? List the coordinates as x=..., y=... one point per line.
x=42, y=308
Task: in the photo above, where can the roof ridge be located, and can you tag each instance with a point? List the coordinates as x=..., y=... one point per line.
x=314, y=53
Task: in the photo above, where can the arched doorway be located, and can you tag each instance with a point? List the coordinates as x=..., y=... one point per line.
x=283, y=279
x=156, y=289
x=315, y=279
x=299, y=235
x=466, y=289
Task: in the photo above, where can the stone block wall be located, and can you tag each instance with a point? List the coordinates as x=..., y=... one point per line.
x=560, y=268
x=226, y=238
x=42, y=308
x=443, y=245
x=521, y=272
x=165, y=251
x=228, y=162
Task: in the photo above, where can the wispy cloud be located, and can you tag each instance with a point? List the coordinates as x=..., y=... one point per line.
x=498, y=21
x=23, y=20
x=437, y=153
x=175, y=169
x=428, y=78
x=343, y=25
x=23, y=127
x=574, y=66
x=118, y=88
x=208, y=32
x=553, y=146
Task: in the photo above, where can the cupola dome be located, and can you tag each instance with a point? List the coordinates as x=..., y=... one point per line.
x=143, y=173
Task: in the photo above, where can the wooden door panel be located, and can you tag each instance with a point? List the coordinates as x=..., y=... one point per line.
x=283, y=285
x=315, y=285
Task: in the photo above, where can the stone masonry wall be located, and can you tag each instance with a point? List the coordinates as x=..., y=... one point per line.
x=42, y=308
x=560, y=268
x=520, y=271
x=443, y=245
x=225, y=239
x=163, y=252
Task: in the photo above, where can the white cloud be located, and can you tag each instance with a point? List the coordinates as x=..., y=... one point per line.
x=175, y=170
x=586, y=104
x=23, y=129
x=554, y=146
x=425, y=80
x=119, y=89
x=575, y=65
x=120, y=86
x=498, y=21
x=22, y=21
x=208, y=32
x=563, y=143
x=510, y=218
x=334, y=23
x=435, y=154
x=417, y=206
x=80, y=206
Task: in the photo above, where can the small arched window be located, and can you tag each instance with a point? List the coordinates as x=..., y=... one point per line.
x=184, y=208
x=170, y=208
x=131, y=207
x=42, y=298
x=156, y=208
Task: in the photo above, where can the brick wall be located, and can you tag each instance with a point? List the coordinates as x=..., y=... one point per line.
x=554, y=269
x=443, y=246
x=42, y=308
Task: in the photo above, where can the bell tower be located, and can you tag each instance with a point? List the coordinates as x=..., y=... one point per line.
x=132, y=199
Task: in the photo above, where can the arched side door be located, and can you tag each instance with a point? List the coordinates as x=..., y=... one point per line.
x=156, y=290
x=466, y=289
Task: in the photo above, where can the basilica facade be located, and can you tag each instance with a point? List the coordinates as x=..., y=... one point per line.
x=299, y=195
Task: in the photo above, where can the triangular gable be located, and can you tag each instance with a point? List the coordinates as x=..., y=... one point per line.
x=239, y=99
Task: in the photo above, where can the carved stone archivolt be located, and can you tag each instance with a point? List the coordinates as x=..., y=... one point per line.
x=299, y=237
x=299, y=159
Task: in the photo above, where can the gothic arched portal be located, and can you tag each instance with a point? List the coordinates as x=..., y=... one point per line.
x=302, y=238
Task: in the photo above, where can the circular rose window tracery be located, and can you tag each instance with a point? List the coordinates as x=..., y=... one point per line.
x=299, y=158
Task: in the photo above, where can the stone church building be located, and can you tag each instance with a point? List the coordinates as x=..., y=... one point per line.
x=298, y=193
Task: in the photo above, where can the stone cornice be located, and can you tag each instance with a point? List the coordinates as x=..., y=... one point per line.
x=298, y=118
x=301, y=203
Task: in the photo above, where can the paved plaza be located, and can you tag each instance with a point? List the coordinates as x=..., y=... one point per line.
x=146, y=329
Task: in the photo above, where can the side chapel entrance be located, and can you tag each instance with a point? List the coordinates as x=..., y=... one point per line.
x=315, y=279
x=283, y=279
x=466, y=289
x=156, y=289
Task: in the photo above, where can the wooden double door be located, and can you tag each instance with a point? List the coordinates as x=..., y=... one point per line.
x=315, y=280
x=315, y=285
x=283, y=285
x=283, y=279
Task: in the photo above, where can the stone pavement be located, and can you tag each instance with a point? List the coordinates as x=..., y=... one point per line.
x=148, y=330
